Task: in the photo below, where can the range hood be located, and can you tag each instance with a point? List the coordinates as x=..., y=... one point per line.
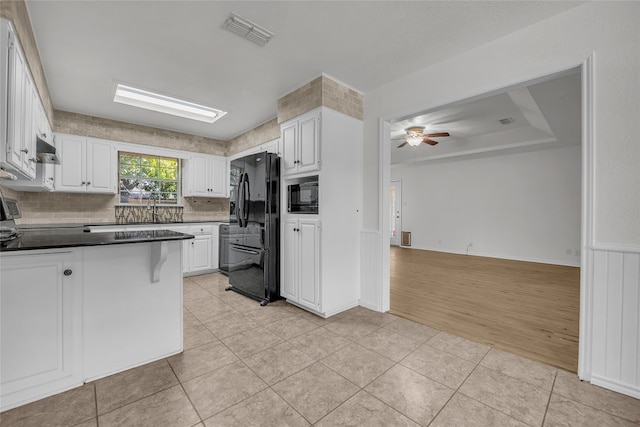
x=45, y=152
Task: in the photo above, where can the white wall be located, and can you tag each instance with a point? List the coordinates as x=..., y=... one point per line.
x=607, y=34
x=523, y=206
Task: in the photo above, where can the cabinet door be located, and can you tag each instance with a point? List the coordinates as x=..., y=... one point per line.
x=218, y=185
x=289, y=261
x=70, y=173
x=28, y=134
x=198, y=182
x=271, y=147
x=200, y=256
x=41, y=329
x=289, y=164
x=100, y=167
x=309, y=136
x=308, y=264
x=15, y=137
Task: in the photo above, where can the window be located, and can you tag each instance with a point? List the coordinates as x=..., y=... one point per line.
x=145, y=179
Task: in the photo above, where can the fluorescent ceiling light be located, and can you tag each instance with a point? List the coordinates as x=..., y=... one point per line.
x=165, y=104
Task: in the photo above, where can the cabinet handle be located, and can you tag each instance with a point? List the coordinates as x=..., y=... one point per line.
x=33, y=159
x=89, y=183
x=82, y=183
x=68, y=272
x=25, y=150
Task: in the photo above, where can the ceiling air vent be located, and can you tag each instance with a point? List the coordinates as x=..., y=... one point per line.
x=247, y=29
x=506, y=121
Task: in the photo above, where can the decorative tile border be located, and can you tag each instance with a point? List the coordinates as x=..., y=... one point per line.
x=134, y=214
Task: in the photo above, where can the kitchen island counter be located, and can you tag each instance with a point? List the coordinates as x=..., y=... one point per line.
x=66, y=237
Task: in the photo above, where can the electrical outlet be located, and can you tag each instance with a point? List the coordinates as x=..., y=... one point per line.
x=576, y=252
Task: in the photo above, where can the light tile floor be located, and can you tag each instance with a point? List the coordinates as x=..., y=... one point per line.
x=246, y=365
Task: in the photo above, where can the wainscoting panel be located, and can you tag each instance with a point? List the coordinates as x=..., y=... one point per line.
x=616, y=320
x=370, y=270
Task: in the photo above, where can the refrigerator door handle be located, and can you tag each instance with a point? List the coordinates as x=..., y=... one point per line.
x=247, y=198
x=244, y=251
x=240, y=201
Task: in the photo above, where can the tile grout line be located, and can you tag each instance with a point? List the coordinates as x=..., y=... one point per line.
x=546, y=409
x=456, y=391
x=186, y=394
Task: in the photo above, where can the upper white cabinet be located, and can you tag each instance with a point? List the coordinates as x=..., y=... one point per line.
x=301, y=144
x=87, y=165
x=272, y=146
x=23, y=115
x=205, y=176
x=41, y=296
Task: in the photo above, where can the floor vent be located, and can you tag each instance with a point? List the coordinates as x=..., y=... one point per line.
x=406, y=238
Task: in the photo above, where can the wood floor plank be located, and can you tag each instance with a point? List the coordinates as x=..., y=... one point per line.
x=526, y=308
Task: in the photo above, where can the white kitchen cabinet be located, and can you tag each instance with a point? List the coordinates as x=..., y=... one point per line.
x=87, y=165
x=205, y=176
x=331, y=283
x=300, y=263
x=272, y=146
x=41, y=328
x=301, y=144
x=44, y=181
x=19, y=96
x=200, y=252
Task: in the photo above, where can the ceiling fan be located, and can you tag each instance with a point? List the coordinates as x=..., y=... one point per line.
x=416, y=136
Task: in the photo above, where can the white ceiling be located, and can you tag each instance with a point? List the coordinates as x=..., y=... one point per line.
x=545, y=114
x=179, y=48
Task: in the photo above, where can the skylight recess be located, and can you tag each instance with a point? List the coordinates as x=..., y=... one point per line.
x=165, y=104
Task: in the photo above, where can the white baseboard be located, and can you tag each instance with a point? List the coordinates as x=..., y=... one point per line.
x=626, y=389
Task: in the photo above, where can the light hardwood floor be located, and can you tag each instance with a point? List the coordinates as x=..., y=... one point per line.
x=526, y=308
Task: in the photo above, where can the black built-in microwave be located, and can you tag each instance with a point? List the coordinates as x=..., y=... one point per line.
x=303, y=197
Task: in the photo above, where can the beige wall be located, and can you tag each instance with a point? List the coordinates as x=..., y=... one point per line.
x=80, y=124
x=16, y=12
x=323, y=91
x=259, y=135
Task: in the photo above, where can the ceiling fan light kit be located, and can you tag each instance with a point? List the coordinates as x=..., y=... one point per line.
x=416, y=136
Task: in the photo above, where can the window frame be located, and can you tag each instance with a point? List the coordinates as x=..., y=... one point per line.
x=149, y=200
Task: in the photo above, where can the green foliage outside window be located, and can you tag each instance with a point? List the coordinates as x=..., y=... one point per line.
x=148, y=178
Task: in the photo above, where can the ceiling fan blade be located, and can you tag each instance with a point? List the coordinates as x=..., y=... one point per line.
x=432, y=135
x=429, y=141
x=403, y=144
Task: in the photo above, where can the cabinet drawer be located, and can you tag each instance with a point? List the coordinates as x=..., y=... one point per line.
x=198, y=230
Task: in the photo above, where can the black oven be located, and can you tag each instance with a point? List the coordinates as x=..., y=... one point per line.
x=303, y=197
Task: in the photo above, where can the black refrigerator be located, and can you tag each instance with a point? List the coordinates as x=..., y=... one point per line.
x=254, y=227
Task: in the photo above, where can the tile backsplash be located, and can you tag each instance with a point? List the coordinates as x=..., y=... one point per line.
x=81, y=208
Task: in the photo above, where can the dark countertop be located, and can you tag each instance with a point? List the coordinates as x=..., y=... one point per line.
x=108, y=224
x=69, y=237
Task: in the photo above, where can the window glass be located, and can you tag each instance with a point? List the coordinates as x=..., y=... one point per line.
x=145, y=179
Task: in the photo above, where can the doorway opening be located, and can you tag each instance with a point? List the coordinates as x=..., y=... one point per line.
x=448, y=252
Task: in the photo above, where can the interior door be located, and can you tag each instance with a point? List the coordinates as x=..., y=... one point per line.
x=395, y=212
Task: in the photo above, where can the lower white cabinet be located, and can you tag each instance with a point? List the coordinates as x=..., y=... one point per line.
x=300, y=263
x=41, y=325
x=199, y=255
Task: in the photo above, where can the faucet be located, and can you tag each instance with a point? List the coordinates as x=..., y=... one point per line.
x=154, y=213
